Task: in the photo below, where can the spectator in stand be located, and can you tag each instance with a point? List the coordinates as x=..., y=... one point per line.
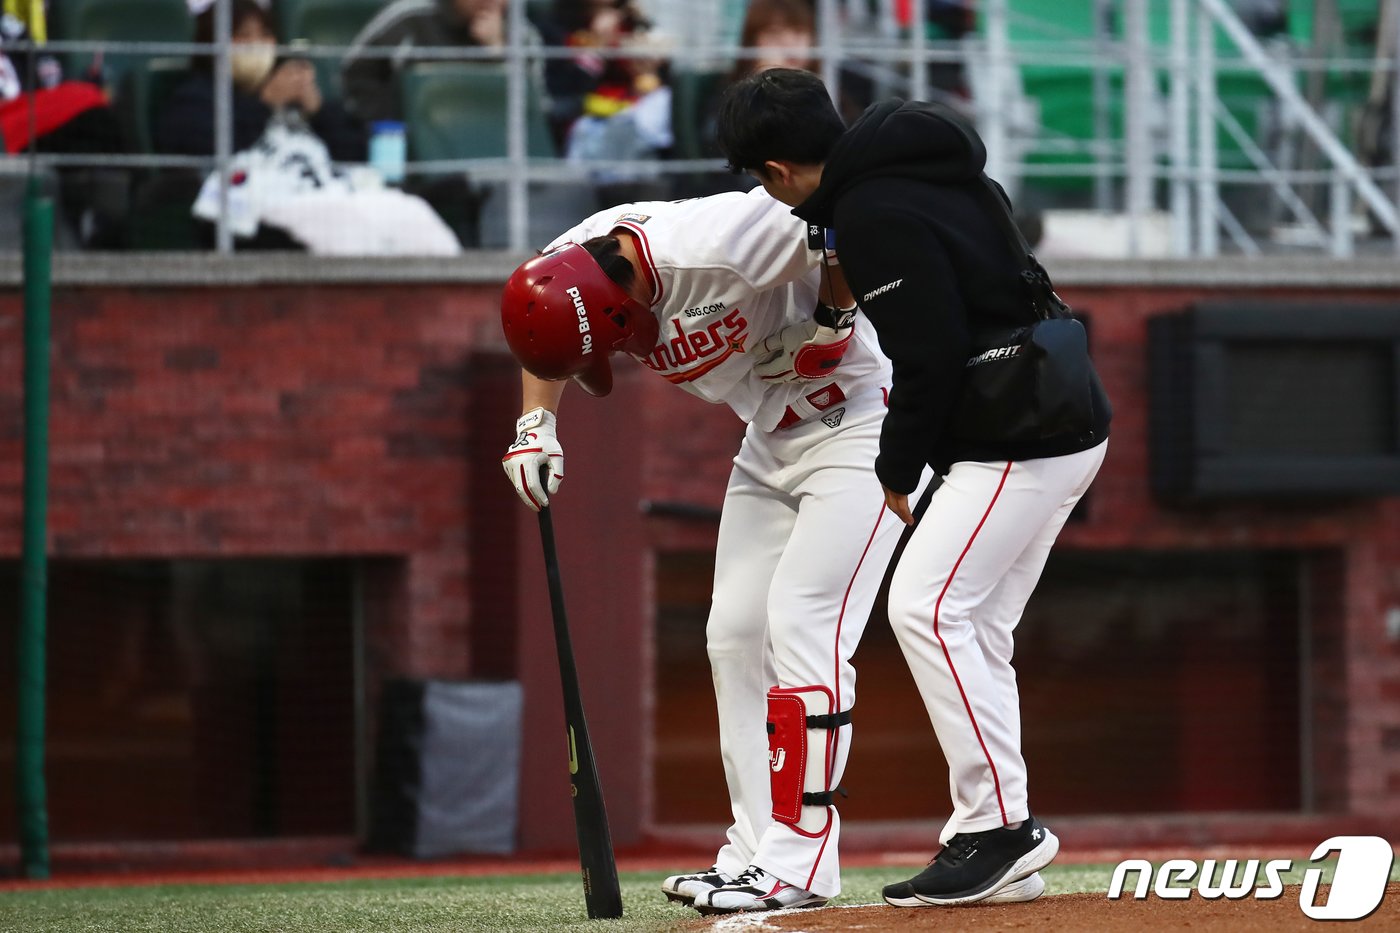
x=609, y=108
x=785, y=31
x=263, y=86
x=371, y=84
x=69, y=118
x=590, y=84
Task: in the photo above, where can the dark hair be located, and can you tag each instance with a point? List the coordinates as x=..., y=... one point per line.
x=782, y=115
x=764, y=15
x=204, y=28
x=607, y=252
x=577, y=15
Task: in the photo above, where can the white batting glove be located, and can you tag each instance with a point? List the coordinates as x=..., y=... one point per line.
x=807, y=349
x=535, y=447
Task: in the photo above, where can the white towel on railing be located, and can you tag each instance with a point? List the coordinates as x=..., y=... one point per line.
x=287, y=180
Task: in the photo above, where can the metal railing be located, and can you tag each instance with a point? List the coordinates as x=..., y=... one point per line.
x=1164, y=162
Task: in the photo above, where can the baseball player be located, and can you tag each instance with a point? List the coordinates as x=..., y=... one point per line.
x=719, y=296
x=932, y=263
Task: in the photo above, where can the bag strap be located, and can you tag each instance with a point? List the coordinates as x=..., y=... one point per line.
x=1044, y=301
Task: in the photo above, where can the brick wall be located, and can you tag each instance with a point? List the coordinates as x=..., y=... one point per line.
x=1353, y=582
x=365, y=420
x=260, y=422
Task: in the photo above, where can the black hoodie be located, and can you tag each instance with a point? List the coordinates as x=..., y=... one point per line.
x=930, y=265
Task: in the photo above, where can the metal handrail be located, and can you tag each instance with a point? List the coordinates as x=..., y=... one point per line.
x=1181, y=152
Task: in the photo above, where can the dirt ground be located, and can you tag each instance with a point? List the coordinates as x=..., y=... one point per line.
x=1081, y=913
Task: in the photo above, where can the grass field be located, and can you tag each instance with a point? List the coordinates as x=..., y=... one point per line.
x=458, y=905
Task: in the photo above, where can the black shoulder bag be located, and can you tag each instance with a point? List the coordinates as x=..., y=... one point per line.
x=1029, y=383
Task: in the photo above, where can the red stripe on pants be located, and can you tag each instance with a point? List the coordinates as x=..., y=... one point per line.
x=996, y=781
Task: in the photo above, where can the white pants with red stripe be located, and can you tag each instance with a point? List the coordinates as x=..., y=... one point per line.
x=804, y=542
x=955, y=599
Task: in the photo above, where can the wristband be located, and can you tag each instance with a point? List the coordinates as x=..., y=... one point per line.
x=829, y=250
x=835, y=318
x=531, y=419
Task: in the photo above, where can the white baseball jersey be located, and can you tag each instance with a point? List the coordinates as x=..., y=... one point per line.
x=804, y=536
x=728, y=271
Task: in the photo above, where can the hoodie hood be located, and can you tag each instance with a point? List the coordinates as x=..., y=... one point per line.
x=917, y=140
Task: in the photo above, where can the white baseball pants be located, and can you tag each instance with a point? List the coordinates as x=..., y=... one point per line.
x=804, y=542
x=955, y=600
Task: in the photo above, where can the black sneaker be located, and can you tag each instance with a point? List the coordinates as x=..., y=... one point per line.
x=974, y=866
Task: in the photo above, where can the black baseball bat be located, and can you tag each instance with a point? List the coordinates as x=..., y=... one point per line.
x=595, y=851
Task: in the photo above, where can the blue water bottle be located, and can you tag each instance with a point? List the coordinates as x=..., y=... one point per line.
x=388, y=150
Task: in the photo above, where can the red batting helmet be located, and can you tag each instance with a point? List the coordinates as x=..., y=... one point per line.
x=563, y=317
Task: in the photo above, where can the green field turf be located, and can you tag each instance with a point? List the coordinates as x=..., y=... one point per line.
x=449, y=905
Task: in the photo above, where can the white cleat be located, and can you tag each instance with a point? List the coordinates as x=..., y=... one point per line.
x=685, y=888
x=755, y=889
x=1018, y=892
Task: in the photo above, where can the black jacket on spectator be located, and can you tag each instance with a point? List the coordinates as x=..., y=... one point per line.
x=930, y=266
x=185, y=125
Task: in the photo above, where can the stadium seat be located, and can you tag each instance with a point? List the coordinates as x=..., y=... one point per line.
x=456, y=110
x=160, y=212
x=160, y=217
x=118, y=21
x=690, y=93
x=142, y=91
x=1063, y=93
x=1346, y=92
x=325, y=22
x=14, y=189
x=539, y=11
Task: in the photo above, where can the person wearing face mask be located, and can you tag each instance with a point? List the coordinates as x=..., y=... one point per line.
x=263, y=86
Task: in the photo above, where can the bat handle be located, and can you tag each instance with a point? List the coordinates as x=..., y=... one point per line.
x=544, y=481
